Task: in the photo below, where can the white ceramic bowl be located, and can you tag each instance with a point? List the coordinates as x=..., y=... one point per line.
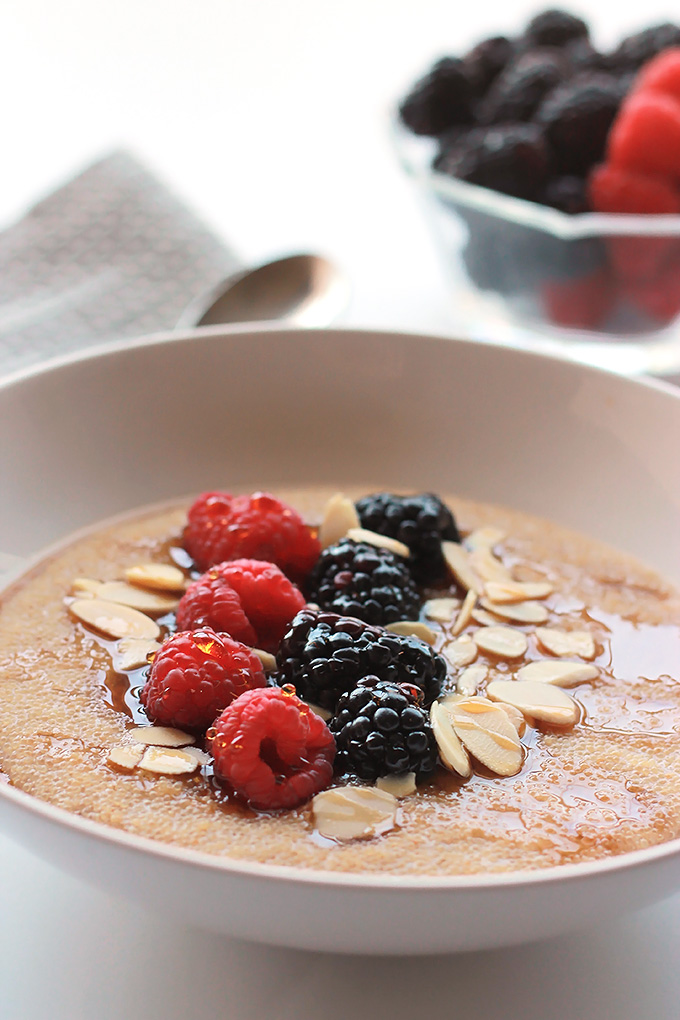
x=91, y=436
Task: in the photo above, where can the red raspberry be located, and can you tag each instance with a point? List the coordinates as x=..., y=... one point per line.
x=582, y=303
x=195, y=675
x=223, y=527
x=661, y=74
x=646, y=135
x=251, y=600
x=660, y=296
x=272, y=749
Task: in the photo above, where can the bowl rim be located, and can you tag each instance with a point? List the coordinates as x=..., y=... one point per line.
x=415, y=156
x=182, y=856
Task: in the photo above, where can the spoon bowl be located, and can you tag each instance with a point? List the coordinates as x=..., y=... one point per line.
x=302, y=290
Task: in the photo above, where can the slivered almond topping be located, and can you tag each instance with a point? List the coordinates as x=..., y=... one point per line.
x=523, y=612
x=157, y=576
x=465, y=614
x=539, y=700
x=114, y=620
x=441, y=610
x=560, y=673
x=339, y=517
x=125, y=594
x=398, y=786
x=413, y=628
x=567, y=642
x=484, y=618
x=488, y=734
x=451, y=752
x=517, y=591
x=458, y=561
x=354, y=812
x=202, y=757
x=515, y=717
x=484, y=538
x=128, y=756
x=487, y=566
x=266, y=658
x=505, y=642
x=471, y=679
x=168, y=761
x=161, y=736
x=381, y=541
x=460, y=652
x=131, y=653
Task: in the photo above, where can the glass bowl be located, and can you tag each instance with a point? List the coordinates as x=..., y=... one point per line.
x=601, y=288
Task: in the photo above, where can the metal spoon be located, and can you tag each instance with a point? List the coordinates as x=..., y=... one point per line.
x=304, y=290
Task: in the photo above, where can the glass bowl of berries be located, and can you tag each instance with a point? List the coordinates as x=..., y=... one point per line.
x=550, y=173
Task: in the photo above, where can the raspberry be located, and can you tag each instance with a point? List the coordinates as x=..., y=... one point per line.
x=380, y=730
x=251, y=600
x=195, y=675
x=272, y=749
x=583, y=303
x=576, y=117
x=323, y=655
x=659, y=296
x=421, y=522
x=360, y=580
x=645, y=137
x=662, y=74
x=224, y=527
x=440, y=100
x=615, y=190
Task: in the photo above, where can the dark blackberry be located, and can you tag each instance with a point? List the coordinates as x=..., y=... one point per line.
x=440, y=100
x=361, y=580
x=569, y=194
x=381, y=730
x=485, y=61
x=511, y=158
x=635, y=50
x=555, y=28
x=421, y=522
x=324, y=655
x=576, y=118
x=520, y=87
x=583, y=56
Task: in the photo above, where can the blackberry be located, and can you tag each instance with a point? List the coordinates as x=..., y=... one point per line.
x=635, y=50
x=583, y=56
x=440, y=100
x=555, y=28
x=520, y=87
x=576, y=118
x=569, y=194
x=485, y=61
x=381, y=730
x=420, y=522
x=324, y=655
x=511, y=158
x=360, y=580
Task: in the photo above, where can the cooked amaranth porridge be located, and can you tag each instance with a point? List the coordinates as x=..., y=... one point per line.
x=402, y=685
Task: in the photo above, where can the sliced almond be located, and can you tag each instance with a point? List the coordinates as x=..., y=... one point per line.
x=399, y=786
x=128, y=756
x=156, y=576
x=266, y=658
x=202, y=757
x=354, y=812
x=540, y=701
x=458, y=561
x=465, y=614
x=452, y=754
x=515, y=717
x=114, y=620
x=505, y=642
x=339, y=517
x=441, y=610
x=517, y=591
x=413, y=628
x=125, y=594
x=168, y=761
x=523, y=612
x=484, y=618
x=488, y=734
x=161, y=736
x=487, y=566
x=131, y=653
x=380, y=541
x=567, y=642
x=484, y=538
x=560, y=672
x=322, y=713
x=471, y=679
x=460, y=652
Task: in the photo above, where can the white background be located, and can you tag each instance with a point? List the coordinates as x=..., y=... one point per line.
x=269, y=118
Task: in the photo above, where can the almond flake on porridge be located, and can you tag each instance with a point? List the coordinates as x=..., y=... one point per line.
x=380, y=541
x=559, y=672
x=488, y=734
x=353, y=812
x=125, y=594
x=114, y=620
x=466, y=610
x=451, y=751
x=538, y=700
x=157, y=576
x=168, y=761
x=522, y=612
x=413, y=628
x=461, y=652
x=567, y=642
x=339, y=517
x=505, y=642
x=458, y=561
x=161, y=736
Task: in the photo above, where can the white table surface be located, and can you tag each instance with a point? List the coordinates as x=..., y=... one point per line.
x=268, y=117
